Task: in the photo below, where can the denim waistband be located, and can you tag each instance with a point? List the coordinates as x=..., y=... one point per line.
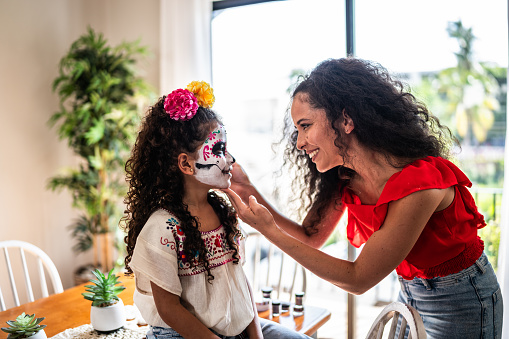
x=478, y=267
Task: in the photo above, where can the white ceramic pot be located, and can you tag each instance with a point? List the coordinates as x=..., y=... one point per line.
x=39, y=335
x=108, y=318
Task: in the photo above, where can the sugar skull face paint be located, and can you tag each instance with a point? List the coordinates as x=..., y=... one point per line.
x=214, y=162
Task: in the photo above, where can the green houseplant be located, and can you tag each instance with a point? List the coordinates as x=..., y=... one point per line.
x=107, y=312
x=104, y=292
x=25, y=326
x=101, y=98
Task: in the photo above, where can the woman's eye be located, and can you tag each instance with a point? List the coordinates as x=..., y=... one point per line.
x=305, y=126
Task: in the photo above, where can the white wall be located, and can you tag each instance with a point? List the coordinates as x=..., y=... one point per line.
x=34, y=35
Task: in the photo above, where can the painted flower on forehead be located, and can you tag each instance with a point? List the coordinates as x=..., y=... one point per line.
x=203, y=92
x=181, y=104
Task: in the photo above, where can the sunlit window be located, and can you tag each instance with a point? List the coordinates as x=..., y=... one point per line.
x=255, y=51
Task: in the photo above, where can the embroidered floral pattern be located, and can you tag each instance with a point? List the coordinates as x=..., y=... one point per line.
x=218, y=250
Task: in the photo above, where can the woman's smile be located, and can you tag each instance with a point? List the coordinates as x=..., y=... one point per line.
x=312, y=154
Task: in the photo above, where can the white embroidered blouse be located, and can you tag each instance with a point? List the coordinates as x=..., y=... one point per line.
x=224, y=304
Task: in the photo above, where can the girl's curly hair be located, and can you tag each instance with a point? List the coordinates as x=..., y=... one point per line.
x=155, y=181
x=387, y=119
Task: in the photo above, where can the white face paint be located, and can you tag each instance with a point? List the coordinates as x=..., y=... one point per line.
x=214, y=162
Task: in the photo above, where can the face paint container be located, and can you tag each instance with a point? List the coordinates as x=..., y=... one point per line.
x=298, y=308
x=276, y=308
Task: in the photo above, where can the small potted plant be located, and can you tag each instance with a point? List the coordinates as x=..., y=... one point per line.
x=107, y=312
x=25, y=326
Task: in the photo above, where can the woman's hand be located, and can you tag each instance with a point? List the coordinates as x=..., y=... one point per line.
x=253, y=213
x=240, y=182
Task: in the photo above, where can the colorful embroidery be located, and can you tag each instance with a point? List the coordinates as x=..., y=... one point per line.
x=218, y=250
x=168, y=243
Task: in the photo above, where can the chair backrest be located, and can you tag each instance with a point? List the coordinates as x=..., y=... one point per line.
x=409, y=317
x=270, y=267
x=43, y=264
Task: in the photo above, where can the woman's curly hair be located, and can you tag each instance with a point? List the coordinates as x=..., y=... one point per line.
x=387, y=119
x=156, y=182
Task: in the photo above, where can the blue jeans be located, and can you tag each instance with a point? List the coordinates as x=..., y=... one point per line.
x=464, y=305
x=273, y=330
x=169, y=333
x=270, y=330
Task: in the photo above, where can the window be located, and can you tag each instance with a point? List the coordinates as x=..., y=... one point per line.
x=255, y=49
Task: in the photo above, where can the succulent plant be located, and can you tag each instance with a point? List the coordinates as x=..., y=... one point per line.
x=104, y=292
x=24, y=326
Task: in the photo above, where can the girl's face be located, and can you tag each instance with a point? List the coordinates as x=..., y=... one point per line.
x=214, y=163
x=315, y=135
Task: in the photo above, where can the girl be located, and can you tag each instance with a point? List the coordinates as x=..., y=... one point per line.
x=182, y=238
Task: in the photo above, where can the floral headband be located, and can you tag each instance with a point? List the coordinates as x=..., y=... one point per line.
x=182, y=104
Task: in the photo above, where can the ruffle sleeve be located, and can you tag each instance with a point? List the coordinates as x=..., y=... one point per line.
x=426, y=173
x=155, y=256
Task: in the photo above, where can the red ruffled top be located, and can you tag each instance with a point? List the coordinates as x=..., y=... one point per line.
x=449, y=241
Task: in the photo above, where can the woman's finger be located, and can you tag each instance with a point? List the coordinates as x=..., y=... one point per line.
x=237, y=203
x=235, y=199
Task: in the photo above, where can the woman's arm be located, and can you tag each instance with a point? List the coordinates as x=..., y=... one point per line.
x=244, y=188
x=177, y=316
x=381, y=254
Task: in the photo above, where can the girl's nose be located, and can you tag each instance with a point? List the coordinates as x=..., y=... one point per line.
x=230, y=158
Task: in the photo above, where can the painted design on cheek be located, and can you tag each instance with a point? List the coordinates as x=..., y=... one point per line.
x=210, y=151
x=206, y=152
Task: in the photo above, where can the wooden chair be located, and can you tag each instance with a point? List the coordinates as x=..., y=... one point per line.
x=409, y=316
x=273, y=268
x=44, y=265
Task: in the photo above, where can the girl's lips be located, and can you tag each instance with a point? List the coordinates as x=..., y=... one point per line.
x=227, y=172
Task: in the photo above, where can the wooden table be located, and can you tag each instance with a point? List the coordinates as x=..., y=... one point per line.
x=69, y=309
x=308, y=323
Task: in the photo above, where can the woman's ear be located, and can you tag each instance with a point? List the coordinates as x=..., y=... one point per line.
x=185, y=163
x=347, y=124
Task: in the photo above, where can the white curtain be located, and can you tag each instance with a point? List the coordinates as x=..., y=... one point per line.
x=185, y=43
x=503, y=269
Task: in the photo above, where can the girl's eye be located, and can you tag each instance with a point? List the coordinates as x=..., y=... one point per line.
x=219, y=148
x=305, y=126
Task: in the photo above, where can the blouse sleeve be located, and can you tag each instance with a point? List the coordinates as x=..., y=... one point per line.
x=155, y=256
x=427, y=173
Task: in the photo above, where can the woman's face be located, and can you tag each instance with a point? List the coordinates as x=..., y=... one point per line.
x=214, y=163
x=315, y=135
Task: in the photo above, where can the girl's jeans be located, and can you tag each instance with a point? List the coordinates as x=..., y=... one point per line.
x=169, y=333
x=270, y=330
x=464, y=305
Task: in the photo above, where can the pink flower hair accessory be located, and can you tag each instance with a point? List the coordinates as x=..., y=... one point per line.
x=181, y=104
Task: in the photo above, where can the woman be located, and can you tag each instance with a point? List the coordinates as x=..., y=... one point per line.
x=364, y=145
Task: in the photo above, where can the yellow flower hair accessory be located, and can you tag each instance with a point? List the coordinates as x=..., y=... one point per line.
x=203, y=93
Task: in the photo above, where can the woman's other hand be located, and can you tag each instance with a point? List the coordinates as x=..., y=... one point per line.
x=252, y=213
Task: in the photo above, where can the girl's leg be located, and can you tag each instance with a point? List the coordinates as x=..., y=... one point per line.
x=163, y=333
x=467, y=304
x=273, y=330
